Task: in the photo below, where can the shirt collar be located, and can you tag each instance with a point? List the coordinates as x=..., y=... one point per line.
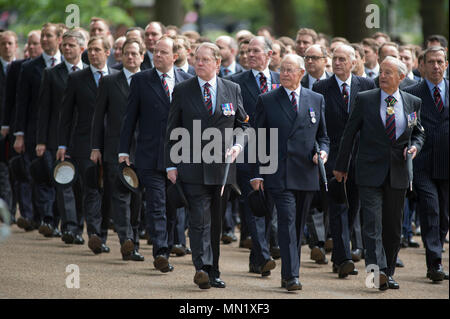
x=266, y=73
x=129, y=74
x=184, y=67
x=6, y=63
x=170, y=74
x=396, y=94
x=48, y=60
x=441, y=86
x=104, y=70
x=232, y=67
x=348, y=81
x=69, y=66
x=212, y=82
x=323, y=77
x=297, y=91
x=375, y=70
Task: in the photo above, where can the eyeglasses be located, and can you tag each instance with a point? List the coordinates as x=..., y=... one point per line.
x=289, y=71
x=313, y=57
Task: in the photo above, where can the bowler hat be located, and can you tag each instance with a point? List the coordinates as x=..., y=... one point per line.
x=40, y=171
x=175, y=195
x=337, y=191
x=128, y=178
x=93, y=175
x=261, y=203
x=64, y=173
x=18, y=168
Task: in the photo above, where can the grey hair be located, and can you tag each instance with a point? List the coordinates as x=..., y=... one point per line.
x=434, y=49
x=214, y=50
x=322, y=49
x=298, y=59
x=77, y=35
x=401, y=67
x=229, y=40
x=267, y=43
x=349, y=49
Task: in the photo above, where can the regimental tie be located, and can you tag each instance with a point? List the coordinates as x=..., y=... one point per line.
x=294, y=102
x=345, y=95
x=438, y=99
x=262, y=83
x=164, y=84
x=226, y=71
x=207, y=97
x=53, y=59
x=390, y=117
x=74, y=68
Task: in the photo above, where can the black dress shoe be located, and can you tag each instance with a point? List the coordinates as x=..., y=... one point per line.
x=392, y=283
x=227, y=238
x=217, y=283
x=354, y=272
x=46, y=229
x=134, y=256
x=178, y=250
x=188, y=250
x=68, y=237
x=293, y=284
x=383, y=281
x=24, y=223
x=201, y=279
x=345, y=268
x=105, y=249
x=399, y=263
x=436, y=273
x=268, y=266
x=95, y=244
x=356, y=255
x=78, y=240
x=318, y=255
x=275, y=252
x=56, y=233
x=413, y=244
x=127, y=248
x=161, y=263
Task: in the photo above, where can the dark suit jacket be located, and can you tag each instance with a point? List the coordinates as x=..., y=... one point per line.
x=54, y=81
x=26, y=100
x=403, y=84
x=336, y=115
x=305, y=80
x=111, y=102
x=78, y=101
x=297, y=135
x=433, y=158
x=377, y=155
x=187, y=106
x=239, y=69
x=148, y=105
x=146, y=64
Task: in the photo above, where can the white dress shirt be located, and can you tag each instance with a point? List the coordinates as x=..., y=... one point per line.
x=349, y=84
x=48, y=59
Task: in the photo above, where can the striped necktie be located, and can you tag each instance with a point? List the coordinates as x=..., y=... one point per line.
x=345, y=95
x=390, y=117
x=262, y=83
x=438, y=99
x=294, y=102
x=164, y=84
x=207, y=97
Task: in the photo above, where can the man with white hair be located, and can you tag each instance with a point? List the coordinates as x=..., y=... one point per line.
x=228, y=51
x=297, y=114
x=388, y=123
x=340, y=92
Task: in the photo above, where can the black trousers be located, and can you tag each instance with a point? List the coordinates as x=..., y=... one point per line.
x=433, y=211
x=206, y=210
x=382, y=210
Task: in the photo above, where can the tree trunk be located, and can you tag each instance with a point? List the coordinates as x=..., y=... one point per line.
x=433, y=18
x=283, y=17
x=169, y=12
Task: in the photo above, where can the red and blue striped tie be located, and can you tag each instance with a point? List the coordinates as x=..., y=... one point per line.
x=164, y=84
x=438, y=99
x=390, y=118
x=207, y=97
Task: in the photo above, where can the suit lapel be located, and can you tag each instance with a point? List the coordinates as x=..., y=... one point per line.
x=221, y=98
x=62, y=73
x=156, y=85
x=354, y=89
x=122, y=83
x=336, y=93
x=303, y=111
x=285, y=104
x=251, y=85
x=197, y=99
x=407, y=109
x=90, y=80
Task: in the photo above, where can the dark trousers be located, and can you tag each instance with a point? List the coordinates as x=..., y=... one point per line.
x=258, y=227
x=292, y=208
x=382, y=210
x=356, y=233
x=206, y=210
x=315, y=222
x=159, y=216
x=341, y=221
x=179, y=237
x=91, y=201
x=408, y=214
x=433, y=211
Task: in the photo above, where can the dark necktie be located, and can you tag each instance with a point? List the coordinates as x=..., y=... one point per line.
x=164, y=84
x=207, y=97
x=101, y=76
x=53, y=61
x=294, y=102
x=345, y=95
x=371, y=74
x=74, y=68
x=390, y=117
x=226, y=71
x=262, y=83
x=438, y=99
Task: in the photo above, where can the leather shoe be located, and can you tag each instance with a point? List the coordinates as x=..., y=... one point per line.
x=78, y=240
x=134, y=256
x=291, y=284
x=178, y=250
x=354, y=272
x=227, y=238
x=383, y=281
x=201, y=279
x=127, y=248
x=56, y=233
x=392, y=283
x=217, y=283
x=413, y=244
x=105, y=249
x=95, y=244
x=25, y=224
x=268, y=266
x=356, y=255
x=436, y=273
x=275, y=252
x=328, y=246
x=399, y=263
x=46, y=230
x=188, y=250
x=318, y=255
x=68, y=237
x=161, y=263
x=345, y=268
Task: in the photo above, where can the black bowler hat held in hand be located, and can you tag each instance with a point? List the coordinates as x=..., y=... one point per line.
x=64, y=173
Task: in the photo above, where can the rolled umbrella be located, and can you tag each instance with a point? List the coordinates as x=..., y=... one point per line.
x=409, y=167
x=322, y=171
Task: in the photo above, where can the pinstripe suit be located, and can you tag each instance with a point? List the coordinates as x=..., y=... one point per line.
x=431, y=173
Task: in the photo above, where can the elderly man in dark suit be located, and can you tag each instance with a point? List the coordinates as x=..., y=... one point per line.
x=54, y=81
x=388, y=123
x=111, y=104
x=431, y=165
x=148, y=105
x=340, y=92
x=74, y=136
x=26, y=123
x=298, y=115
x=205, y=103
x=254, y=82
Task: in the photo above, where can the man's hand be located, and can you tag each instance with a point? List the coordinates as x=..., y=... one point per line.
x=96, y=156
x=4, y=131
x=257, y=183
x=323, y=156
x=233, y=152
x=172, y=175
x=19, y=145
x=412, y=150
x=340, y=175
x=124, y=159
x=40, y=149
x=61, y=154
